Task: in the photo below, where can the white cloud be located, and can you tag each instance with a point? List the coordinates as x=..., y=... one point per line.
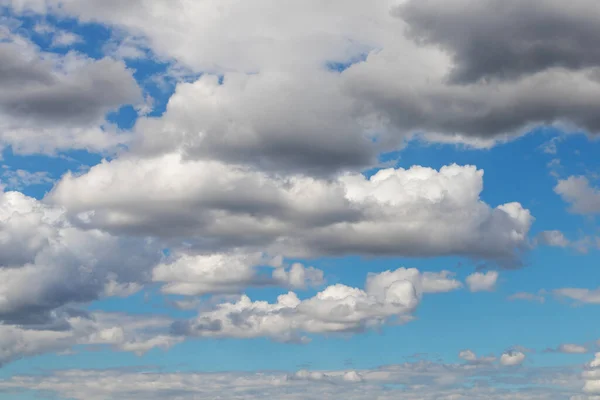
x=553, y=238
x=583, y=198
x=472, y=358
x=592, y=376
x=571, y=348
x=512, y=358
x=580, y=295
x=220, y=273
x=387, y=297
x=412, y=212
x=420, y=381
x=482, y=282
x=131, y=333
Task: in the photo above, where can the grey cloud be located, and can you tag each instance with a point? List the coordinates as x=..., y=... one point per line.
x=51, y=102
x=479, y=111
x=507, y=38
x=33, y=91
x=49, y=264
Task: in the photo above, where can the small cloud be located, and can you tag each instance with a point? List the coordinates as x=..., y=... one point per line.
x=512, y=358
x=568, y=348
x=482, y=282
x=552, y=238
x=470, y=357
x=20, y=179
x=528, y=297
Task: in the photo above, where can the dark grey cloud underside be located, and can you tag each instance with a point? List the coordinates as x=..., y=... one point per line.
x=31, y=91
x=507, y=38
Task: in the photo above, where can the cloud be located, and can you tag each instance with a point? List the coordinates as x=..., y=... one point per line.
x=580, y=295
x=420, y=381
x=569, y=348
x=472, y=358
x=71, y=327
x=475, y=78
x=196, y=275
x=482, y=282
x=50, y=102
x=539, y=297
x=504, y=40
x=20, y=179
x=553, y=239
x=411, y=212
x=388, y=297
x=46, y=263
x=592, y=376
x=583, y=198
x=512, y=358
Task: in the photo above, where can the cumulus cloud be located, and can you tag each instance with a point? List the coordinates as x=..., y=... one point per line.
x=412, y=212
x=219, y=273
x=47, y=263
x=475, y=78
x=387, y=297
x=592, y=377
x=50, y=102
x=582, y=197
x=482, y=282
x=512, y=358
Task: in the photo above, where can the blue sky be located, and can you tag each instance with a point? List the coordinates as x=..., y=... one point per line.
x=170, y=172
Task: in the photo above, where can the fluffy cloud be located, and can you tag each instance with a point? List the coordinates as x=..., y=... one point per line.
x=583, y=198
x=196, y=275
x=512, y=358
x=50, y=102
x=592, y=376
x=482, y=282
x=47, y=263
x=336, y=309
x=413, y=212
x=468, y=81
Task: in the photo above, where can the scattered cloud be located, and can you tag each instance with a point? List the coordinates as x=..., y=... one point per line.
x=579, y=295
x=535, y=297
x=568, y=348
x=482, y=281
x=582, y=197
x=420, y=380
x=512, y=358
x=389, y=297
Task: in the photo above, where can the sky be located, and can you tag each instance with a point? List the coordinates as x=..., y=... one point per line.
x=384, y=199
